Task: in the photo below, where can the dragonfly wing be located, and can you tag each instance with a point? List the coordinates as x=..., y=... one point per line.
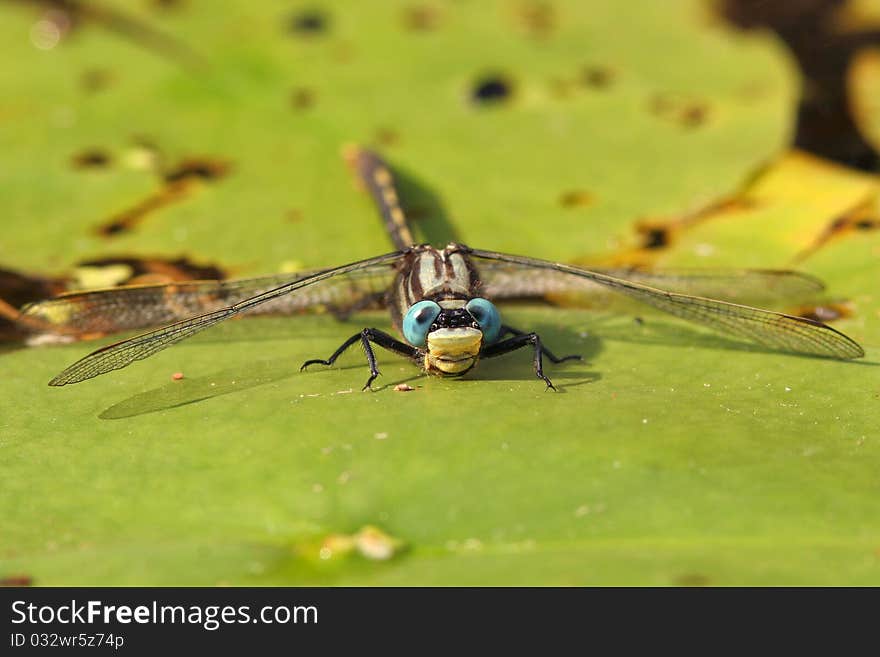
x=337, y=284
x=98, y=312
x=748, y=286
x=766, y=327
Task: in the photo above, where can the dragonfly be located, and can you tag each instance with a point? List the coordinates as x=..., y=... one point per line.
x=441, y=302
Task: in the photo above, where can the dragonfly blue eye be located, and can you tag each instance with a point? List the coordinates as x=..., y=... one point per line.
x=418, y=320
x=487, y=317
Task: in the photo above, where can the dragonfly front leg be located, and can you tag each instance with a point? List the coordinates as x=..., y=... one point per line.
x=367, y=336
x=521, y=340
x=505, y=329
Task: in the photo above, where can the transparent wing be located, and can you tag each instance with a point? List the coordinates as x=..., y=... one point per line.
x=98, y=312
x=372, y=276
x=772, y=329
x=748, y=286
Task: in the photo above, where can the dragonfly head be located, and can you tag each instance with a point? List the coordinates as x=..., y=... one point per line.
x=453, y=332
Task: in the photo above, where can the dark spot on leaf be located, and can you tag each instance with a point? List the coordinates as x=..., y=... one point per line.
x=17, y=580
x=686, y=112
x=96, y=79
x=202, y=168
x=692, y=579
x=826, y=312
x=576, y=199
x=302, y=98
x=654, y=236
x=491, y=90
x=178, y=182
x=860, y=217
x=386, y=137
x=294, y=215
x=597, y=77
x=694, y=116
x=309, y=22
x=420, y=18
x=92, y=158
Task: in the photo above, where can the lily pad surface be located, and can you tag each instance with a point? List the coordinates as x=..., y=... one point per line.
x=554, y=129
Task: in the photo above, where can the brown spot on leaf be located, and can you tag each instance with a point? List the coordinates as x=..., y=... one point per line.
x=656, y=234
x=17, y=580
x=692, y=579
x=688, y=113
x=863, y=216
x=576, y=199
x=178, y=183
x=96, y=79
x=538, y=17
x=421, y=18
x=694, y=115
x=386, y=137
x=597, y=77
x=92, y=158
x=159, y=270
x=302, y=98
x=198, y=168
x=294, y=215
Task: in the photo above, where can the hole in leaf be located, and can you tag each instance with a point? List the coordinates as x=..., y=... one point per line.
x=654, y=236
x=309, y=22
x=420, y=18
x=491, y=90
x=92, y=158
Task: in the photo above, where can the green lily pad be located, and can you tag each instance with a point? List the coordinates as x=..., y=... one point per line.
x=670, y=456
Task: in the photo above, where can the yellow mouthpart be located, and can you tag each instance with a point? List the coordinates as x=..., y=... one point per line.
x=453, y=350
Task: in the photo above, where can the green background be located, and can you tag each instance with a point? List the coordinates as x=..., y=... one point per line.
x=670, y=456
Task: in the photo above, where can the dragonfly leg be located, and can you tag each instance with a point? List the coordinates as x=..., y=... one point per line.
x=365, y=337
x=505, y=329
x=517, y=342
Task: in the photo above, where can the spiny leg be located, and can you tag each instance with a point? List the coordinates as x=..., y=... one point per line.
x=517, y=342
x=367, y=336
x=505, y=329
